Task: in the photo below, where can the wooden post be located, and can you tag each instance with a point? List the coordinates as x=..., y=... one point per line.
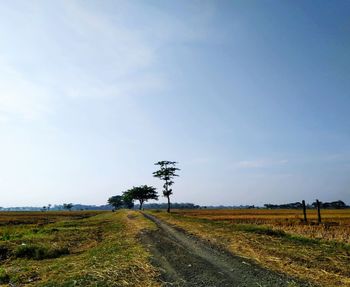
x=318, y=211
x=304, y=210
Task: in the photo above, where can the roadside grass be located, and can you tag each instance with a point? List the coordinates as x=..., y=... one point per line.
x=322, y=262
x=99, y=250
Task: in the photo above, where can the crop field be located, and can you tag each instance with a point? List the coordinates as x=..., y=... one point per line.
x=78, y=248
x=41, y=218
x=336, y=221
x=277, y=239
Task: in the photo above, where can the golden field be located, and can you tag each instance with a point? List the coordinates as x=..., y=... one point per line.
x=336, y=222
x=277, y=239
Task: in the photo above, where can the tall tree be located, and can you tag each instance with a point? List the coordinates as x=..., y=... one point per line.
x=166, y=172
x=141, y=193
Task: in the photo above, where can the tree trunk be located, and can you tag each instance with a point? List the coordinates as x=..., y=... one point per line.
x=141, y=202
x=168, y=203
x=167, y=194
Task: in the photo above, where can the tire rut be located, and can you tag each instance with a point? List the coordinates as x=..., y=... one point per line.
x=185, y=260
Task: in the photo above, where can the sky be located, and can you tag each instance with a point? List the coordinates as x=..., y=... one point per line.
x=251, y=98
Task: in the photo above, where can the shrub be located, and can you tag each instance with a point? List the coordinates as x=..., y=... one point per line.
x=39, y=252
x=4, y=252
x=261, y=230
x=6, y=236
x=4, y=277
x=272, y=232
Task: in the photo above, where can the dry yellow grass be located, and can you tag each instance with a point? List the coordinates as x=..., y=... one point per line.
x=10, y=218
x=256, y=234
x=336, y=221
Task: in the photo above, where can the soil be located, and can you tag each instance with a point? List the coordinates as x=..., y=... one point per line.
x=184, y=260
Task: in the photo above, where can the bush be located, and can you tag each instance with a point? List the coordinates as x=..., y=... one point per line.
x=261, y=230
x=5, y=236
x=4, y=252
x=4, y=277
x=39, y=252
x=272, y=232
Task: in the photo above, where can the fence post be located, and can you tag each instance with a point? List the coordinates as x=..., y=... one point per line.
x=318, y=211
x=304, y=210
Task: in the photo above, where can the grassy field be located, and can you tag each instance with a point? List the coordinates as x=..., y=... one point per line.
x=277, y=239
x=74, y=249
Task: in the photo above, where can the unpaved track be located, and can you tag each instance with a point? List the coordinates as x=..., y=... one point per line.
x=187, y=261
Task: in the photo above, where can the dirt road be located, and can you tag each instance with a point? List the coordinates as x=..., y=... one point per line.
x=187, y=261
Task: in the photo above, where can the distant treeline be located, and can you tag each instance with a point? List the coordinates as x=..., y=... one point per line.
x=101, y=207
x=58, y=208
x=325, y=205
x=295, y=205
x=165, y=205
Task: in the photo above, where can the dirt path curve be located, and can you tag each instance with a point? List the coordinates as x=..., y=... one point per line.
x=187, y=261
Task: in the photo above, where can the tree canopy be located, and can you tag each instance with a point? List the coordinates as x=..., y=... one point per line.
x=116, y=201
x=141, y=193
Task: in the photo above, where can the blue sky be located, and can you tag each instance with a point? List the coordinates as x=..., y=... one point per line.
x=250, y=97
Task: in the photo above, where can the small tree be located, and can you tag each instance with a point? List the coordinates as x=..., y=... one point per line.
x=116, y=201
x=166, y=172
x=128, y=200
x=141, y=193
x=68, y=206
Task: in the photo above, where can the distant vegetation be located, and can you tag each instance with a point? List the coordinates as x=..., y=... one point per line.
x=173, y=205
x=68, y=206
x=127, y=203
x=297, y=205
x=75, y=207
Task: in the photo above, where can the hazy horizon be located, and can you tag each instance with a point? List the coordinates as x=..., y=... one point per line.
x=250, y=97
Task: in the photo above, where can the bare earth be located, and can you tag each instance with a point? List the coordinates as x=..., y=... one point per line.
x=187, y=261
